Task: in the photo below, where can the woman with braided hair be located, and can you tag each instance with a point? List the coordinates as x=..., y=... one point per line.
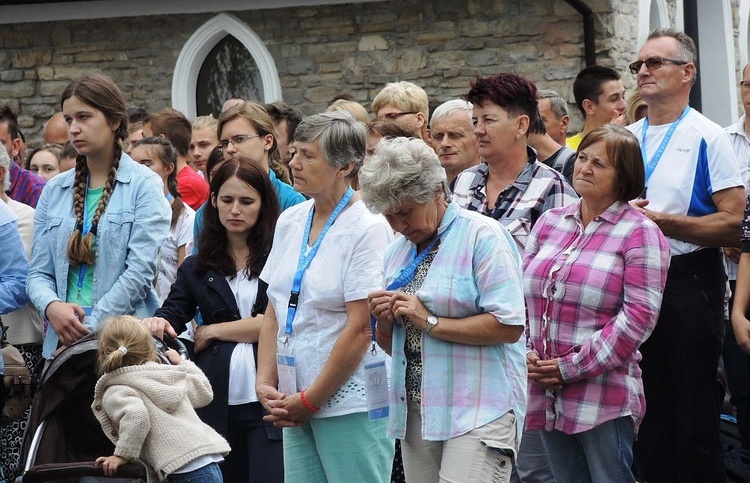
x=98, y=228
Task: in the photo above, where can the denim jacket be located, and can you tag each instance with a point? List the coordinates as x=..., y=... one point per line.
x=133, y=226
x=13, y=263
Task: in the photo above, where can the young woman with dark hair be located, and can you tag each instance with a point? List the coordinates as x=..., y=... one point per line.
x=97, y=228
x=222, y=281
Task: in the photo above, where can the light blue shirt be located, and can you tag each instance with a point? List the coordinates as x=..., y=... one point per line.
x=13, y=264
x=476, y=270
x=131, y=230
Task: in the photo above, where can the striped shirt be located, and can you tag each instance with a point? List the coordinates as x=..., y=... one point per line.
x=25, y=186
x=593, y=296
x=476, y=270
x=537, y=189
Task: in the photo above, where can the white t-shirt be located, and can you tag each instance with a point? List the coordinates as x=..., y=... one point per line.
x=242, y=364
x=698, y=162
x=180, y=234
x=347, y=267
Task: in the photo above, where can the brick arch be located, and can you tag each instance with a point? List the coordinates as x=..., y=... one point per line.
x=197, y=48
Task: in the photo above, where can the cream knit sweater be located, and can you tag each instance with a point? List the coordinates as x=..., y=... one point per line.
x=148, y=413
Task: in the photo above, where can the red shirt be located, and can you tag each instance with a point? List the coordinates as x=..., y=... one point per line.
x=192, y=187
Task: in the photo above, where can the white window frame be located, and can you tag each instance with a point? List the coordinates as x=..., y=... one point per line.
x=199, y=45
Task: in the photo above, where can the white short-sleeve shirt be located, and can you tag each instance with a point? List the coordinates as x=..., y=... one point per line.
x=347, y=267
x=698, y=162
x=180, y=234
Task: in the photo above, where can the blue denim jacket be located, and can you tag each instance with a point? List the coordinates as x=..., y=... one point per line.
x=131, y=230
x=13, y=264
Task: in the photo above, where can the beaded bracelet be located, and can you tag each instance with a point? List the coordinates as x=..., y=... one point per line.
x=307, y=403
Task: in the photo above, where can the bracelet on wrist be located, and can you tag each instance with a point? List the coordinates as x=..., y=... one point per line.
x=307, y=403
x=382, y=335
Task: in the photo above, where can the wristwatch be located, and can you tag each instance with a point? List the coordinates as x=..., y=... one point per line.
x=432, y=321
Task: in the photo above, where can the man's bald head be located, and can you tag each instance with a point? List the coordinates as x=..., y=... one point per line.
x=55, y=129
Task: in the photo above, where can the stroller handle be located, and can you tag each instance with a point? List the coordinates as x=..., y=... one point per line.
x=171, y=343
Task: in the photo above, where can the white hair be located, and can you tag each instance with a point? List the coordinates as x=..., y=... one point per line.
x=401, y=170
x=451, y=107
x=5, y=163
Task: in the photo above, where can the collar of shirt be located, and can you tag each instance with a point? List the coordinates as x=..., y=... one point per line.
x=611, y=215
x=521, y=182
x=739, y=128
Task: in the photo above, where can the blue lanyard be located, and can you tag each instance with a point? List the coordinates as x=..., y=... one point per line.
x=170, y=198
x=86, y=229
x=406, y=276
x=651, y=166
x=304, y=260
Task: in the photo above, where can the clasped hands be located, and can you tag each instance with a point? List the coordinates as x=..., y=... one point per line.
x=545, y=373
x=286, y=411
x=388, y=306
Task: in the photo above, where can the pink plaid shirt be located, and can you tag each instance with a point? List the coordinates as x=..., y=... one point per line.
x=593, y=296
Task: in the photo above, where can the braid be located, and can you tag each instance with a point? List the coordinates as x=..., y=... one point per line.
x=108, y=187
x=79, y=197
x=81, y=249
x=178, y=206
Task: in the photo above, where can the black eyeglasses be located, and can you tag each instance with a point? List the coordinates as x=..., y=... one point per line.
x=237, y=140
x=653, y=63
x=393, y=116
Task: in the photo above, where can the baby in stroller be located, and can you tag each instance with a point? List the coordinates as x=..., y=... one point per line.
x=147, y=409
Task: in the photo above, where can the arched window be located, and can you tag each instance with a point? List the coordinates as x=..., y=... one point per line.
x=652, y=15
x=222, y=41
x=229, y=71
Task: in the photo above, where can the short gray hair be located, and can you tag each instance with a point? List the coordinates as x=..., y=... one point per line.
x=402, y=169
x=685, y=45
x=451, y=107
x=557, y=103
x=341, y=138
x=5, y=163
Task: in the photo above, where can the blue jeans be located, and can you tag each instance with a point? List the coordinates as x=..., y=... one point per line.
x=208, y=474
x=604, y=453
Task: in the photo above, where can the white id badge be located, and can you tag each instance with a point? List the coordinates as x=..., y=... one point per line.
x=376, y=386
x=287, y=374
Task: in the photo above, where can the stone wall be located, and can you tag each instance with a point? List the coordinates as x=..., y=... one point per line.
x=323, y=51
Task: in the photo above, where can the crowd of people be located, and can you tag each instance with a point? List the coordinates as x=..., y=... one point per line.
x=456, y=291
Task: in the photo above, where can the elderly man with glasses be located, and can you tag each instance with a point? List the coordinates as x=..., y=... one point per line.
x=695, y=195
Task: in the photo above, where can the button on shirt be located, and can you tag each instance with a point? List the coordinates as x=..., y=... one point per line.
x=593, y=296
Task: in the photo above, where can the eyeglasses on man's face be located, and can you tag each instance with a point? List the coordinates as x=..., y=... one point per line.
x=237, y=140
x=394, y=116
x=653, y=63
